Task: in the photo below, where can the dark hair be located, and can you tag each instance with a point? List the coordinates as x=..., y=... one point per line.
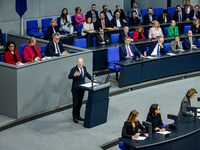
x=165, y=11
x=99, y=29
x=178, y=6
x=196, y=5
x=150, y=8
x=117, y=6
x=177, y=36
x=191, y=92
x=8, y=44
x=102, y=13
x=87, y=19
x=63, y=16
x=104, y=6
x=187, y=0
x=133, y=12
x=188, y=31
x=152, y=110
x=93, y=5
x=134, y=2
x=77, y=8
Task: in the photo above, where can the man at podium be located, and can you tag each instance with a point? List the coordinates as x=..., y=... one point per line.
x=78, y=74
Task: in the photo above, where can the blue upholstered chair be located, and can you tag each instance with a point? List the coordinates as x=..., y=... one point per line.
x=127, y=21
x=2, y=58
x=148, y=33
x=32, y=28
x=94, y=42
x=186, y=28
x=80, y=26
x=165, y=31
x=167, y=47
x=171, y=10
x=121, y=145
x=114, y=38
x=147, y=49
x=43, y=48
x=131, y=33
x=21, y=51
x=73, y=22
x=113, y=57
x=144, y=12
x=45, y=24
x=128, y=14
x=4, y=37
x=158, y=11
x=80, y=43
x=198, y=43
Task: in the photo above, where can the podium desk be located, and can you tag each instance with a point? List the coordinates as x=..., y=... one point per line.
x=185, y=138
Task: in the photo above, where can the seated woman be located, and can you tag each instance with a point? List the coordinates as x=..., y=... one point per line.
x=155, y=30
x=87, y=26
x=11, y=55
x=65, y=21
x=52, y=29
x=79, y=17
x=131, y=127
x=176, y=45
x=186, y=102
x=134, y=20
x=172, y=29
x=155, y=118
x=195, y=26
x=138, y=34
x=31, y=51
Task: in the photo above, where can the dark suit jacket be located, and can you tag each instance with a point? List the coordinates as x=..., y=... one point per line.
x=183, y=109
x=122, y=36
x=187, y=44
x=191, y=14
x=78, y=79
x=127, y=130
x=195, y=29
x=134, y=21
x=122, y=15
x=114, y=22
x=99, y=40
x=109, y=12
x=2, y=42
x=107, y=23
x=50, y=50
x=176, y=17
x=50, y=32
x=156, y=122
x=146, y=18
x=123, y=53
x=160, y=18
x=152, y=45
x=89, y=14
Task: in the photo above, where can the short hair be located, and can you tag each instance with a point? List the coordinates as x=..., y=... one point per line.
x=102, y=13
x=52, y=21
x=55, y=34
x=165, y=11
x=187, y=0
x=152, y=110
x=77, y=8
x=172, y=21
x=93, y=5
x=133, y=114
x=191, y=92
x=195, y=20
x=117, y=6
x=188, y=31
x=196, y=5
x=135, y=2
x=177, y=36
x=104, y=6
x=138, y=27
x=150, y=8
x=178, y=6
x=100, y=29
x=155, y=22
x=8, y=44
x=126, y=26
x=31, y=40
x=133, y=12
x=127, y=38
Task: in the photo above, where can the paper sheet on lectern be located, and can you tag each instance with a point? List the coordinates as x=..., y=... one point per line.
x=89, y=84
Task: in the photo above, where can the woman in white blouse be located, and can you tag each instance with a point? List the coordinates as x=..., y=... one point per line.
x=87, y=26
x=155, y=30
x=65, y=21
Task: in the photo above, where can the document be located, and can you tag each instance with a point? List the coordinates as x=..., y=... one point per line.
x=139, y=138
x=89, y=84
x=150, y=57
x=21, y=64
x=165, y=132
x=171, y=54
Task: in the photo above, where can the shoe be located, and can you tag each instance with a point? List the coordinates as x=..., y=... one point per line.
x=80, y=118
x=75, y=120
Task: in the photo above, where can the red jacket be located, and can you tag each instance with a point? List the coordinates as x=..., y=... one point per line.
x=28, y=53
x=135, y=36
x=9, y=58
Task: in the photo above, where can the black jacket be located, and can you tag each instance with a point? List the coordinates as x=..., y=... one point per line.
x=152, y=45
x=122, y=36
x=50, y=32
x=191, y=14
x=156, y=122
x=122, y=15
x=50, y=50
x=107, y=23
x=146, y=18
x=2, y=42
x=187, y=44
x=99, y=40
x=160, y=18
x=176, y=17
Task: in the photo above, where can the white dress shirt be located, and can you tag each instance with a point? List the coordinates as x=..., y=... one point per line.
x=188, y=10
x=118, y=23
x=155, y=50
x=165, y=18
x=129, y=49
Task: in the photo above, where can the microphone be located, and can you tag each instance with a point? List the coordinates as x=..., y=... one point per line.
x=92, y=80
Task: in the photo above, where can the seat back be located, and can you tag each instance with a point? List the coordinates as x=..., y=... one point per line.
x=80, y=26
x=46, y=22
x=44, y=31
x=131, y=33
x=147, y=49
x=80, y=43
x=73, y=21
x=114, y=38
x=182, y=44
x=144, y=12
x=43, y=48
x=2, y=58
x=158, y=11
x=21, y=51
x=167, y=47
x=32, y=25
x=127, y=21
x=4, y=37
x=121, y=145
x=148, y=33
x=171, y=10
x=113, y=54
x=94, y=42
x=198, y=43
x=165, y=31
x=186, y=28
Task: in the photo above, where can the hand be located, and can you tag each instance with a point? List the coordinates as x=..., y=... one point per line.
x=102, y=42
x=182, y=50
x=145, y=53
x=94, y=20
x=160, y=44
x=124, y=21
x=193, y=46
x=157, y=128
x=37, y=58
x=132, y=40
x=115, y=27
x=162, y=130
x=142, y=56
x=135, y=136
x=188, y=19
x=18, y=63
x=107, y=40
x=64, y=53
x=91, y=30
x=95, y=80
x=58, y=33
x=77, y=73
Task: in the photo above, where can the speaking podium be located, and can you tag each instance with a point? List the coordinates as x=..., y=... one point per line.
x=97, y=105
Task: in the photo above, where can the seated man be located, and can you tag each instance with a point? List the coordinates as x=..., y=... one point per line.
x=103, y=22
x=108, y=13
x=194, y=13
x=117, y=21
x=179, y=15
x=2, y=42
x=55, y=47
x=101, y=38
x=156, y=48
x=150, y=17
x=93, y=13
x=128, y=51
x=124, y=33
x=138, y=11
x=190, y=42
x=164, y=17
x=187, y=7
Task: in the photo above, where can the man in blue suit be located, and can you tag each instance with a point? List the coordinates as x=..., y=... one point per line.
x=117, y=21
x=78, y=74
x=128, y=51
x=108, y=13
x=93, y=13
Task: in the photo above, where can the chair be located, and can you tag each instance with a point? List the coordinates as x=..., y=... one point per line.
x=94, y=42
x=186, y=28
x=45, y=24
x=113, y=57
x=147, y=49
x=182, y=44
x=43, y=48
x=198, y=43
x=171, y=10
x=80, y=43
x=32, y=28
x=114, y=38
x=73, y=22
x=4, y=37
x=21, y=51
x=127, y=21
x=158, y=11
x=80, y=26
x=144, y=12
x=2, y=58
x=165, y=31
x=167, y=47
x=121, y=145
x=148, y=33
x=128, y=14
x=131, y=33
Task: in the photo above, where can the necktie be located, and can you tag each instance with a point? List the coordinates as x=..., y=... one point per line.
x=129, y=53
x=103, y=24
x=180, y=17
x=82, y=74
x=158, y=50
x=196, y=14
x=57, y=48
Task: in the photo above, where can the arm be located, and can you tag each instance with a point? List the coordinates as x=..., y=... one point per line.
x=26, y=54
x=160, y=123
x=71, y=74
x=49, y=34
x=169, y=31
x=38, y=52
x=186, y=44
x=121, y=53
x=107, y=41
x=143, y=37
x=161, y=32
x=172, y=47
x=76, y=19
x=124, y=131
x=62, y=22
x=135, y=36
x=18, y=57
x=110, y=24
x=98, y=41
x=149, y=119
x=8, y=59
x=177, y=31
x=163, y=50
x=150, y=33
x=50, y=50
x=143, y=130
x=184, y=109
x=61, y=47
x=136, y=50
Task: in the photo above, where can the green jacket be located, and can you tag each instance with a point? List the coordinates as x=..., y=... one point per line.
x=171, y=32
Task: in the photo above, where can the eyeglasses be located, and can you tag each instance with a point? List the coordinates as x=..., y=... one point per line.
x=11, y=46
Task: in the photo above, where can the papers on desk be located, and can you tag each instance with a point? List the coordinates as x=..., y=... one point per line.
x=149, y=57
x=21, y=64
x=171, y=54
x=91, y=31
x=1, y=47
x=89, y=84
x=165, y=132
x=46, y=58
x=140, y=138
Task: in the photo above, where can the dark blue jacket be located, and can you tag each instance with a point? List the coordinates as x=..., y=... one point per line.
x=176, y=17
x=156, y=122
x=89, y=14
x=50, y=50
x=50, y=32
x=123, y=53
x=114, y=22
x=152, y=45
x=187, y=44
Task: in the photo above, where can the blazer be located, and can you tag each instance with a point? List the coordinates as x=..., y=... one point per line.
x=153, y=32
x=2, y=42
x=114, y=22
x=128, y=130
x=146, y=18
x=122, y=36
x=173, y=46
x=152, y=45
x=122, y=14
x=79, y=19
x=86, y=27
x=186, y=7
x=89, y=14
x=50, y=32
x=191, y=14
x=109, y=12
x=195, y=29
x=135, y=36
x=78, y=79
x=50, y=50
x=107, y=23
x=183, y=108
x=28, y=53
x=176, y=17
x=138, y=10
x=171, y=31
x=123, y=52
x=156, y=122
x=134, y=21
x=99, y=40
x=9, y=58
x=187, y=44
x=63, y=21
x=160, y=18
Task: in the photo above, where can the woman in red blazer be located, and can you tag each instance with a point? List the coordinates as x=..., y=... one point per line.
x=11, y=55
x=31, y=51
x=138, y=34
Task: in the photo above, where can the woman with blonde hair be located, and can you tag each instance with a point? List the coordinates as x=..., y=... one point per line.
x=52, y=29
x=155, y=30
x=172, y=29
x=195, y=27
x=138, y=34
x=31, y=51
